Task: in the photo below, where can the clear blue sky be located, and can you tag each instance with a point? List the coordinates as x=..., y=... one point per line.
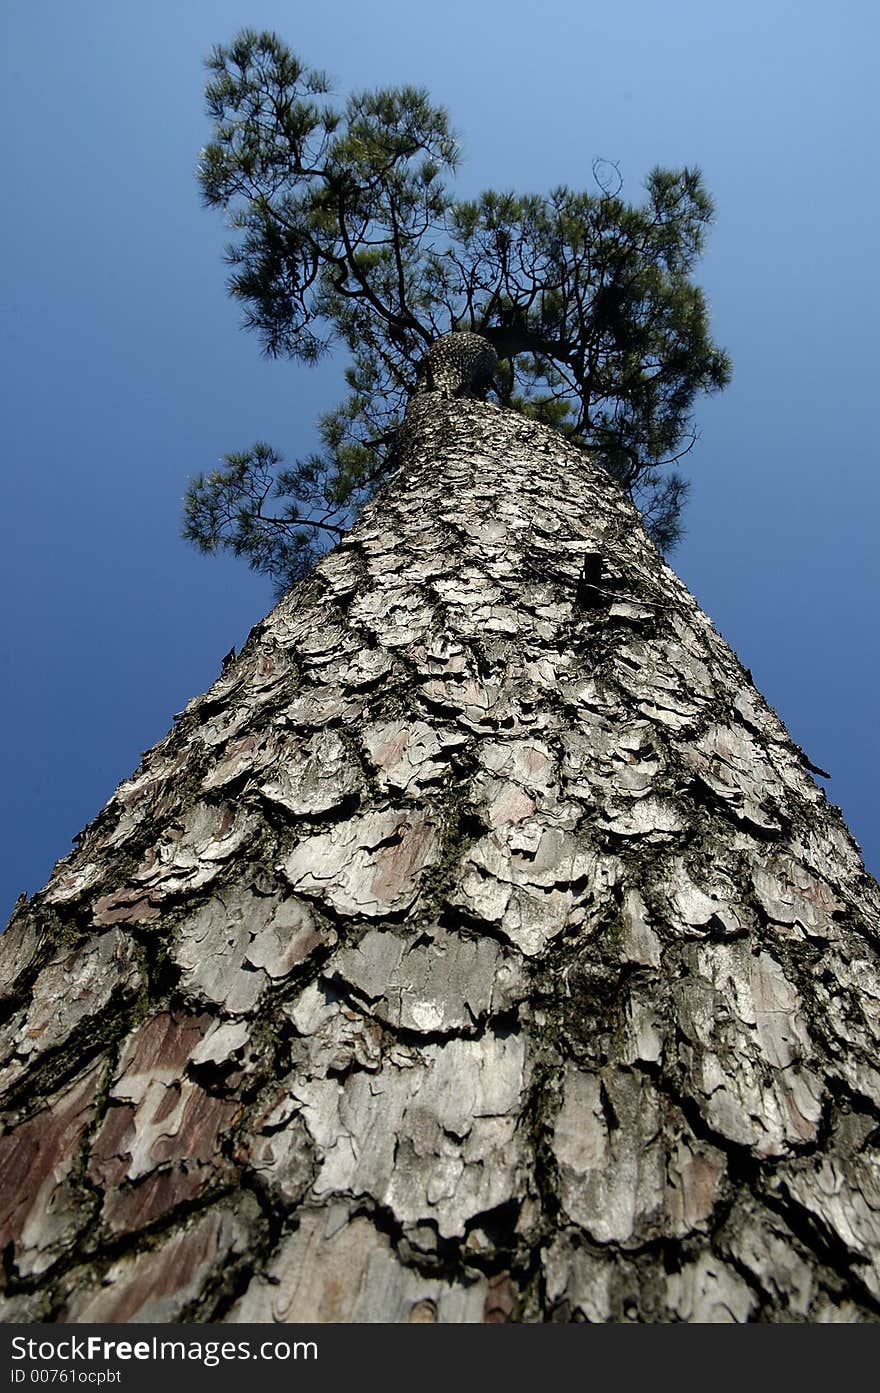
x=124, y=371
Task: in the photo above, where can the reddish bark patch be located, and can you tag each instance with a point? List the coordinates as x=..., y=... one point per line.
x=36, y=1159
x=402, y=859
x=109, y=1159
x=136, y=1206
x=165, y=1042
x=159, y=1143
x=156, y=1285
x=125, y=906
x=501, y=1300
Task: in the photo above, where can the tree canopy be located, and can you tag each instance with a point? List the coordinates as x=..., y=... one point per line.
x=348, y=234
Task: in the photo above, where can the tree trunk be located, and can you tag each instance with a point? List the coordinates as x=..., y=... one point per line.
x=478, y=948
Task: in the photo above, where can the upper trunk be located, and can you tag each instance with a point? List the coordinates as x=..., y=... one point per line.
x=477, y=948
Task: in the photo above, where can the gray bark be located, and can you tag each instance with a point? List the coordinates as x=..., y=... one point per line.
x=478, y=948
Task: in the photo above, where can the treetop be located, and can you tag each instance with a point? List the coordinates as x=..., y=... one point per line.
x=347, y=234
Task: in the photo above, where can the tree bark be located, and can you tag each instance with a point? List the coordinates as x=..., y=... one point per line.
x=478, y=948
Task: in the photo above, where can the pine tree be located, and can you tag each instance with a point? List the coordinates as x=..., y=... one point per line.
x=478, y=948
x=349, y=237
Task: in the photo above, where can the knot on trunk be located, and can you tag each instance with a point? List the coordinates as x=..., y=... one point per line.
x=458, y=365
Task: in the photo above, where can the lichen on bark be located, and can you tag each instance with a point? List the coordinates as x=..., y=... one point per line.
x=477, y=948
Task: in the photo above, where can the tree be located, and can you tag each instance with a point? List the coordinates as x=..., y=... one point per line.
x=479, y=947
x=349, y=235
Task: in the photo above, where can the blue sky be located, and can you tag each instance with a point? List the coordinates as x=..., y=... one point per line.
x=124, y=371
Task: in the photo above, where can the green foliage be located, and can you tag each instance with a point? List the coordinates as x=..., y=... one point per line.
x=349, y=235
